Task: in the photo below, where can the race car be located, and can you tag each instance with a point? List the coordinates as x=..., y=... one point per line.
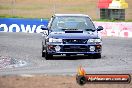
x=71, y=34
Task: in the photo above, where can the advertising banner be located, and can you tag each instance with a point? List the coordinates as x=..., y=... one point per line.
x=22, y=25
x=118, y=29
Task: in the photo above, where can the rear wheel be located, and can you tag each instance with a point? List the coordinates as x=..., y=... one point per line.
x=48, y=56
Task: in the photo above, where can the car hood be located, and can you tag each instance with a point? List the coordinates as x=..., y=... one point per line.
x=83, y=35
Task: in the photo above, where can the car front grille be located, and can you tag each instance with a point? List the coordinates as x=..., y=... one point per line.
x=74, y=41
x=75, y=48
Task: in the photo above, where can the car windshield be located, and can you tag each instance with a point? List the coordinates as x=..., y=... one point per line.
x=62, y=23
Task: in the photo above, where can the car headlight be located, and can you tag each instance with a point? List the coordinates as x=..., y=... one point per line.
x=55, y=40
x=94, y=40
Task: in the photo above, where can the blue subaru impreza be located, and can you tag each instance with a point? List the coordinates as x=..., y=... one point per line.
x=71, y=34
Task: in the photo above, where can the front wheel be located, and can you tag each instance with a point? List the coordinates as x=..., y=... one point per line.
x=48, y=56
x=98, y=55
x=43, y=53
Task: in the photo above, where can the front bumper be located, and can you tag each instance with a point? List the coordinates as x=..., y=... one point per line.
x=74, y=49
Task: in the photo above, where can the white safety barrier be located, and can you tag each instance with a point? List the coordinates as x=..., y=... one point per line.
x=118, y=29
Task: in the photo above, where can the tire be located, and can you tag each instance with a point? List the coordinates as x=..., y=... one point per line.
x=43, y=53
x=48, y=56
x=98, y=56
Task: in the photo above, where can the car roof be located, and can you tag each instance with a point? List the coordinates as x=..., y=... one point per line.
x=83, y=15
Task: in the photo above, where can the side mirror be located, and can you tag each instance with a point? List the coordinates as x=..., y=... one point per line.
x=45, y=30
x=100, y=28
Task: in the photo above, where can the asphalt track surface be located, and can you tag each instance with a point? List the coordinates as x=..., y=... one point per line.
x=116, y=56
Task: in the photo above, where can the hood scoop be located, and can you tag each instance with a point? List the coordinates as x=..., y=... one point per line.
x=73, y=31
